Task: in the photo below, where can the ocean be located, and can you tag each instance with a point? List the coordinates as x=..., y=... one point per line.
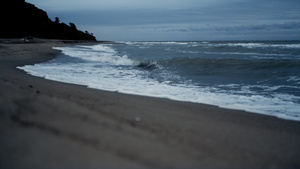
x=256, y=76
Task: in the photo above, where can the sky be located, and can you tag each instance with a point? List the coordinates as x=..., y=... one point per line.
x=179, y=20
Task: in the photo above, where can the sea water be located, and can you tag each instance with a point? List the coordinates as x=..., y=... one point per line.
x=256, y=76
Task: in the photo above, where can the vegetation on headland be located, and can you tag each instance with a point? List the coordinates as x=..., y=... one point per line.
x=21, y=19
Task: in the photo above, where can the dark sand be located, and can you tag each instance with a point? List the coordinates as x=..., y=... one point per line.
x=47, y=124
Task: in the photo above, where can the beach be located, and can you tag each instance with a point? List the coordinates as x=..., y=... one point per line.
x=47, y=124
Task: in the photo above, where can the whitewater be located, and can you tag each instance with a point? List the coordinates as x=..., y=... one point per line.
x=256, y=76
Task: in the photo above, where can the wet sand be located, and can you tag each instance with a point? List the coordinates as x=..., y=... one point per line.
x=47, y=124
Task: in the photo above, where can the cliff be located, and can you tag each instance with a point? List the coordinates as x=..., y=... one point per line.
x=20, y=19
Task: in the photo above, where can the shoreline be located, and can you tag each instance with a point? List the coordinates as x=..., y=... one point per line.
x=53, y=124
x=274, y=109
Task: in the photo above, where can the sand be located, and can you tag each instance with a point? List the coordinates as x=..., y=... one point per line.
x=47, y=124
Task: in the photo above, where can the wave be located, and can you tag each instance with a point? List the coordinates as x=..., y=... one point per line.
x=156, y=43
x=223, y=44
x=226, y=64
x=252, y=45
x=296, y=46
x=149, y=65
x=192, y=67
x=252, y=54
x=97, y=53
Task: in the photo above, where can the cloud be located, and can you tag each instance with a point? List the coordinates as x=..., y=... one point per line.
x=294, y=26
x=179, y=19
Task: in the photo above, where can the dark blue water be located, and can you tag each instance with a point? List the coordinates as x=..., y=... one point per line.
x=265, y=66
x=257, y=76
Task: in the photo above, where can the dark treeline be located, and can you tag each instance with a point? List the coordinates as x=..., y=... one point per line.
x=21, y=19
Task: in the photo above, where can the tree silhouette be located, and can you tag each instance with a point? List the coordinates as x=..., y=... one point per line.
x=28, y=20
x=56, y=20
x=72, y=25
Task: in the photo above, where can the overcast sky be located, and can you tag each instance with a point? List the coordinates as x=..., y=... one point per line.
x=179, y=20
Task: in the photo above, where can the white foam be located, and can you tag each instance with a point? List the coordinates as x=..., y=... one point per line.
x=262, y=45
x=97, y=53
x=247, y=45
x=294, y=79
x=99, y=48
x=286, y=45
